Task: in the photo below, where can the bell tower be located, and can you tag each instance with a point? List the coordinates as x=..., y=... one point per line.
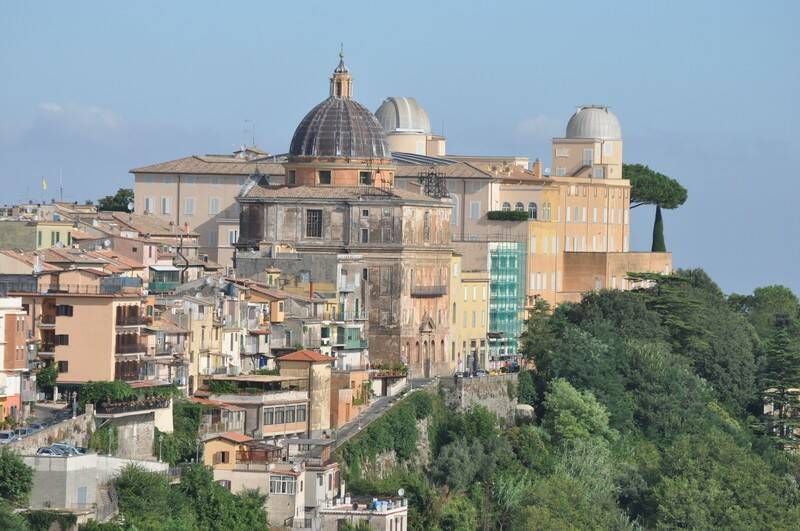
x=341, y=81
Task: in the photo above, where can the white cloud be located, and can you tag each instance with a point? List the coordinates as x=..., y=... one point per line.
x=49, y=106
x=80, y=116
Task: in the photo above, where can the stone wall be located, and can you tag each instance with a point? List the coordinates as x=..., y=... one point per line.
x=498, y=394
x=75, y=431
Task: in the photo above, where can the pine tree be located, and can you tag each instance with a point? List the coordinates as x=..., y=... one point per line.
x=782, y=388
x=659, y=246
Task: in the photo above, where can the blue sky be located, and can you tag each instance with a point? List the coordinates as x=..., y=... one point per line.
x=706, y=92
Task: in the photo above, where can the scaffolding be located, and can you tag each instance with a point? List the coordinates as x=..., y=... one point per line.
x=506, y=299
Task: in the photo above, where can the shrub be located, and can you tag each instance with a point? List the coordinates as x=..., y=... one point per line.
x=507, y=215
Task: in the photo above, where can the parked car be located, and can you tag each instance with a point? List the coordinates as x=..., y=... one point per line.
x=22, y=432
x=68, y=449
x=480, y=372
x=7, y=436
x=35, y=426
x=48, y=450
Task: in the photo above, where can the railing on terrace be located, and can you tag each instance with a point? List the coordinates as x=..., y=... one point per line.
x=111, y=408
x=161, y=287
x=428, y=291
x=134, y=320
x=209, y=371
x=346, y=316
x=130, y=348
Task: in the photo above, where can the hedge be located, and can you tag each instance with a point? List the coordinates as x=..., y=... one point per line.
x=507, y=215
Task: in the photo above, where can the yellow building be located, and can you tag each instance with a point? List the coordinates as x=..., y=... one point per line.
x=469, y=314
x=30, y=235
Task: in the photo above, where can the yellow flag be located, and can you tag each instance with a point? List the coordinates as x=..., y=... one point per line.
x=44, y=183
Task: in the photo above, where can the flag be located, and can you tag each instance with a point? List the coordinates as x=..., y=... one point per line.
x=44, y=183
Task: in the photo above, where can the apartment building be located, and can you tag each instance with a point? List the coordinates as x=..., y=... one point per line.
x=469, y=299
x=33, y=234
x=17, y=391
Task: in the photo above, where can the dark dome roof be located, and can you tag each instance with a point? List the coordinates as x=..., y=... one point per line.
x=340, y=127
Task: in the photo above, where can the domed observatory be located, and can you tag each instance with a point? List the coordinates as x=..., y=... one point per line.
x=408, y=127
x=339, y=142
x=592, y=145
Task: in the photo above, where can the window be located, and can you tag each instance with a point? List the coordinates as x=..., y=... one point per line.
x=594, y=215
x=474, y=319
x=63, y=366
x=324, y=176
x=221, y=457
x=562, y=152
x=282, y=484
x=519, y=207
x=587, y=157
x=165, y=205
x=605, y=215
x=290, y=415
x=474, y=210
x=188, y=206
x=608, y=148
x=483, y=317
x=216, y=181
x=599, y=172
x=364, y=235
x=61, y=339
x=365, y=213
x=269, y=416
x=55, y=237
x=301, y=413
x=569, y=214
x=365, y=178
x=291, y=177
x=149, y=205
x=584, y=215
x=64, y=309
x=560, y=171
x=313, y=223
x=233, y=236
x=213, y=206
x=426, y=226
x=464, y=320
x=506, y=207
x=532, y=208
x=279, y=418
x=39, y=238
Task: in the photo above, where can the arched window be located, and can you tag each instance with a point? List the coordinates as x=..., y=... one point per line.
x=519, y=207
x=506, y=207
x=532, y=211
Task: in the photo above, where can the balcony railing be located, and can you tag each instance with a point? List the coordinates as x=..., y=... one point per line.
x=208, y=371
x=134, y=320
x=136, y=405
x=162, y=287
x=428, y=291
x=346, y=316
x=130, y=348
x=347, y=286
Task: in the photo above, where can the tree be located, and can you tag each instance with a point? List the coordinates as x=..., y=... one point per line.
x=458, y=514
x=16, y=478
x=768, y=306
x=781, y=382
x=46, y=377
x=117, y=202
x=571, y=414
x=457, y=464
x=649, y=187
x=526, y=388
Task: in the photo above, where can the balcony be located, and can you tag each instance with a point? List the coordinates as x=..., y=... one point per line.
x=346, y=316
x=210, y=371
x=428, y=291
x=134, y=320
x=131, y=348
x=347, y=285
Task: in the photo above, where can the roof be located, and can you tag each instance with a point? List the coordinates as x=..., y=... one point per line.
x=594, y=121
x=231, y=436
x=258, y=378
x=143, y=224
x=214, y=403
x=340, y=127
x=401, y=114
x=306, y=355
x=167, y=326
x=216, y=165
x=354, y=193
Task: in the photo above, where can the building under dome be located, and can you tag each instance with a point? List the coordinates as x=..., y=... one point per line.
x=594, y=121
x=408, y=127
x=402, y=114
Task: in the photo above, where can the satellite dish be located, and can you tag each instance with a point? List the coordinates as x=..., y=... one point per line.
x=130, y=206
x=547, y=171
x=401, y=492
x=106, y=243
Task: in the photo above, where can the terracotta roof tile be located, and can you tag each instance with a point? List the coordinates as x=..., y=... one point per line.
x=306, y=355
x=215, y=165
x=365, y=193
x=231, y=436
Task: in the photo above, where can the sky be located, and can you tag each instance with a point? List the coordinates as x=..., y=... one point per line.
x=706, y=92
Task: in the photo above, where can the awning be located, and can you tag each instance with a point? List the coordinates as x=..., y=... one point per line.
x=164, y=268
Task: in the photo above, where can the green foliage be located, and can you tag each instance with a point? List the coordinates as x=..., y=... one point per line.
x=571, y=414
x=767, y=307
x=46, y=377
x=653, y=188
x=11, y=520
x=360, y=525
x=180, y=446
x=105, y=440
x=267, y=372
x=458, y=514
x=220, y=387
x=43, y=520
x=16, y=478
x=117, y=202
x=148, y=502
x=658, y=245
x=119, y=391
x=526, y=388
x=507, y=215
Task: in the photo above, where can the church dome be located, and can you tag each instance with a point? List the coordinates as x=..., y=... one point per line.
x=594, y=121
x=401, y=114
x=342, y=128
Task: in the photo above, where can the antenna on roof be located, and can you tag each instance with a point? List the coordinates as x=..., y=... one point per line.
x=251, y=130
